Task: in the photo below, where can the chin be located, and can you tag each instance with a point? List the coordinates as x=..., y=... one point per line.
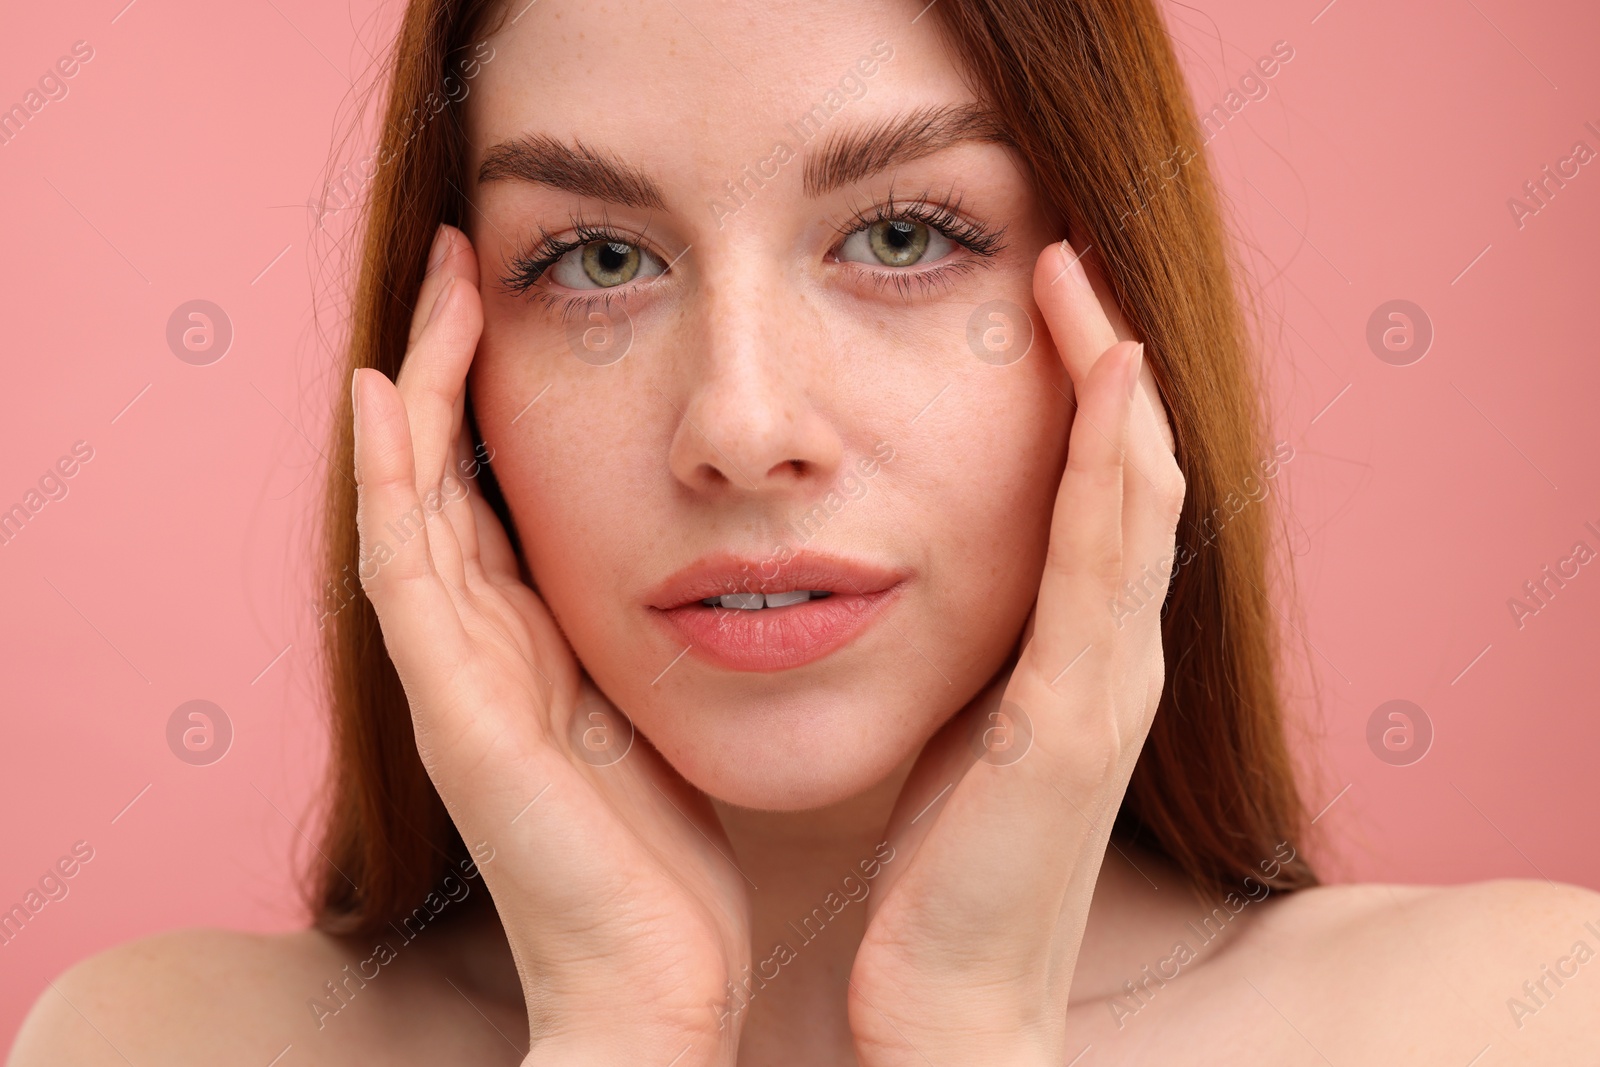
x=795, y=751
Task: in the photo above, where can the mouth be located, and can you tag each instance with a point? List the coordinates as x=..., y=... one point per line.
x=748, y=615
x=760, y=601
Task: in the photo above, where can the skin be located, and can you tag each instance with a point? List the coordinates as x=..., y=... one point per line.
x=625, y=895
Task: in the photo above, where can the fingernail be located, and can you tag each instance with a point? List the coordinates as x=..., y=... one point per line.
x=1135, y=370
x=436, y=253
x=438, y=301
x=1075, y=266
x=355, y=393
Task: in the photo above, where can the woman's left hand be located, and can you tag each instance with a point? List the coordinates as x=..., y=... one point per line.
x=999, y=833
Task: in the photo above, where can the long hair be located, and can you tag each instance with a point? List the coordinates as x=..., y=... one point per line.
x=1092, y=98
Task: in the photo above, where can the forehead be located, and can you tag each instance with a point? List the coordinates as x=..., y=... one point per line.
x=702, y=87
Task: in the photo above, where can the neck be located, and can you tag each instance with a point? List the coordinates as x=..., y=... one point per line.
x=808, y=915
x=807, y=922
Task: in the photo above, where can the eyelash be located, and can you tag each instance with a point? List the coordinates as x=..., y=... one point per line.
x=942, y=215
x=527, y=268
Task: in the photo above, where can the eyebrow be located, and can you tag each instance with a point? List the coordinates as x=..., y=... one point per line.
x=574, y=168
x=853, y=155
x=846, y=157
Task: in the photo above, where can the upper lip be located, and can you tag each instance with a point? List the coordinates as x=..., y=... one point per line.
x=723, y=574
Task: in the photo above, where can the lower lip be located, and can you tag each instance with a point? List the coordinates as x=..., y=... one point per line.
x=776, y=639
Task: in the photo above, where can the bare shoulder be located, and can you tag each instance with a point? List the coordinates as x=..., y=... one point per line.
x=207, y=996
x=1483, y=920
x=188, y=996
x=1512, y=965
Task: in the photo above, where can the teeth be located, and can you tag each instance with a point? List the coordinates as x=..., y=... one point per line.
x=756, y=601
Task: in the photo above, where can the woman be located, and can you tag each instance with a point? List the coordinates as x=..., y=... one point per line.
x=880, y=699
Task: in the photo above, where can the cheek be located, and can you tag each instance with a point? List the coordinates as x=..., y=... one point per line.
x=573, y=470
x=989, y=490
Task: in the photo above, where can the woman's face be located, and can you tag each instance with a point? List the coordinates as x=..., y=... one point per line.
x=757, y=320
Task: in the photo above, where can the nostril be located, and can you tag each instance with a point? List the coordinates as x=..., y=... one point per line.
x=797, y=465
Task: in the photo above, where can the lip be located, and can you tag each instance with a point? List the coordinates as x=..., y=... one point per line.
x=773, y=639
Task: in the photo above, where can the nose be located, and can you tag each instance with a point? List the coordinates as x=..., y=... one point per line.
x=748, y=415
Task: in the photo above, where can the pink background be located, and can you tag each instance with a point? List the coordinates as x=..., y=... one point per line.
x=1377, y=167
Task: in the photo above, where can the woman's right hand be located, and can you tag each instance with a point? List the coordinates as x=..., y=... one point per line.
x=613, y=880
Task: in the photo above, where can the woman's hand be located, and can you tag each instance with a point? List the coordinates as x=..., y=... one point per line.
x=971, y=943
x=608, y=871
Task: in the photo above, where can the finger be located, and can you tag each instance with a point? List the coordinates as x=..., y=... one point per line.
x=486, y=551
x=420, y=622
x=433, y=375
x=432, y=384
x=497, y=560
x=1084, y=560
x=442, y=248
x=1000, y=810
x=1154, y=486
x=1064, y=279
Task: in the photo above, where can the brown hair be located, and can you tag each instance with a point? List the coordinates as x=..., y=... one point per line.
x=1093, y=100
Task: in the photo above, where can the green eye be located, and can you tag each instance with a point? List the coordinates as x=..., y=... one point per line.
x=604, y=264
x=610, y=263
x=898, y=242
